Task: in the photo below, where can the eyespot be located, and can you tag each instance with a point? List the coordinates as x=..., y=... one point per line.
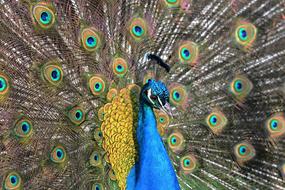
x=97, y=186
x=245, y=33
x=97, y=85
x=216, y=121
x=76, y=115
x=112, y=175
x=188, y=164
x=172, y=3
x=178, y=95
x=185, y=54
x=188, y=53
x=12, y=181
x=240, y=87
x=162, y=121
x=43, y=15
x=120, y=67
x=98, y=135
x=244, y=152
x=4, y=85
x=176, y=142
x=23, y=128
x=242, y=34
x=282, y=170
x=53, y=74
x=138, y=29
x=90, y=39
x=58, y=154
x=149, y=75
x=101, y=114
x=95, y=159
x=275, y=125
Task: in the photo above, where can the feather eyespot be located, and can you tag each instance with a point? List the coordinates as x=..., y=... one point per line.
x=12, y=181
x=240, y=87
x=58, y=154
x=101, y=114
x=4, y=86
x=112, y=175
x=188, y=53
x=44, y=15
x=162, y=121
x=244, y=152
x=188, y=164
x=138, y=29
x=98, y=135
x=95, y=159
x=120, y=67
x=97, y=85
x=53, y=74
x=76, y=115
x=97, y=186
x=148, y=76
x=172, y=3
x=90, y=39
x=282, y=170
x=176, y=142
x=216, y=121
x=245, y=34
x=23, y=128
x=178, y=95
x=275, y=125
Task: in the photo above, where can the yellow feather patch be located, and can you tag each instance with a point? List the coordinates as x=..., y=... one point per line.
x=118, y=129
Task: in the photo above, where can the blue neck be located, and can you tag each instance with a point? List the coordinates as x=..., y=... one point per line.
x=154, y=169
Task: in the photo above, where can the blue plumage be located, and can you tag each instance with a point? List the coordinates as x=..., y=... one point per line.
x=153, y=169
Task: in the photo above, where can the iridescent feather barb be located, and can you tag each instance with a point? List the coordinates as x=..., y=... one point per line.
x=73, y=74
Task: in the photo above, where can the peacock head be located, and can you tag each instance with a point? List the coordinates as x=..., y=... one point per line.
x=155, y=94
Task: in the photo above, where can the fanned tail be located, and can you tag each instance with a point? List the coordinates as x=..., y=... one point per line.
x=62, y=61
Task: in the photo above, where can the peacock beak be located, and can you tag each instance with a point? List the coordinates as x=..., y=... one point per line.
x=165, y=108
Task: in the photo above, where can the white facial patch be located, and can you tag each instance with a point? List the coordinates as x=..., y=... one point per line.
x=148, y=96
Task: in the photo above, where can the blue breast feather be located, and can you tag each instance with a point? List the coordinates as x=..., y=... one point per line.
x=154, y=169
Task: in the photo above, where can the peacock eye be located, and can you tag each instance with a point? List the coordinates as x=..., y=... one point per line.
x=138, y=29
x=95, y=159
x=153, y=97
x=44, y=15
x=53, y=74
x=90, y=39
x=58, y=154
x=97, y=186
x=23, y=128
x=12, y=181
x=245, y=33
x=76, y=115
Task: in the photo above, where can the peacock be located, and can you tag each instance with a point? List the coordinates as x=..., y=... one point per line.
x=142, y=94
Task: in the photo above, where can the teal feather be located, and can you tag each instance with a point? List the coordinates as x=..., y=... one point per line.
x=153, y=159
